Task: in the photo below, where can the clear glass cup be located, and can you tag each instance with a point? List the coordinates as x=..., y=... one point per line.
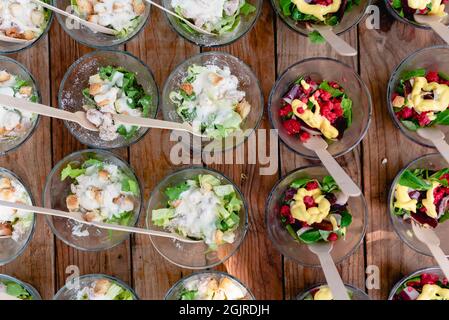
x=175, y=291
x=10, y=249
x=357, y=294
x=350, y=19
x=76, y=79
x=56, y=192
x=204, y=40
x=248, y=82
x=403, y=227
x=69, y=293
x=300, y=252
x=31, y=290
x=320, y=69
x=413, y=23
x=433, y=270
x=193, y=255
x=10, y=48
x=89, y=38
x=15, y=68
x=432, y=59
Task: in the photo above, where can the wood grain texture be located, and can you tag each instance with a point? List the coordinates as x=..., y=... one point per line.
x=32, y=162
x=381, y=51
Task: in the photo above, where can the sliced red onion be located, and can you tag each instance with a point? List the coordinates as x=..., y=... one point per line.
x=287, y=100
x=414, y=195
x=302, y=230
x=443, y=206
x=293, y=92
x=342, y=198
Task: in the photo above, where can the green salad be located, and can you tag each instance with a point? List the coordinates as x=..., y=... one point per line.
x=100, y=191
x=201, y=208
x=10, y=290
x=210, y=100
x=115, y=90
x=215, y=16
x=104, y=289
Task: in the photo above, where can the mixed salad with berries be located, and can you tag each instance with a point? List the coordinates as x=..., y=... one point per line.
x=210, y=287
x=210, y=100
x=423, y=195
x=115, y=90
x=422, y=99
x=408, y=8
x=314, y=211
x=316, y=108
x=123, y=16
x=104, y=289
x=23, y=19
x=215, y=16
x=101, y=192
x=427, y=286
x=201, y=208
x=10, y=290
x=322, y=293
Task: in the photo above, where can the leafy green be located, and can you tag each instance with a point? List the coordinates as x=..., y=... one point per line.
x=442, y=117
x=247, y=8
x=300, y=182
x=124, y=295
x=130, y=185
x=316, y=37
x=413, y=74
x=123, y=219
x=286, y=7
x=311, y=236
x=346, y=219
x=411, y=180
x=174, y=193
x=328, y=184
x=410, y=125
x=161, y=217
x=334, y=92
x=346, y=105
x=188, y=294
x=68, y=171
x=16, y=290
x=444, y=217
x=443, y=75
x=397, y=4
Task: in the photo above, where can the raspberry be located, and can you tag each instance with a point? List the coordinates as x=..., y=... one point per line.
x=332, y=237
x=428, y=278
x=438, y=194
x=309, y=202
x=292, y=126
x=423, y=119
x=285, y=212
x=406, y=113
x=334, y=85
x=445, y=177
x=312, y=185
x=444, y=282
x=285, y=111
x=304, y=136
x=300, y=110
x=432, y=76
x=325, y=96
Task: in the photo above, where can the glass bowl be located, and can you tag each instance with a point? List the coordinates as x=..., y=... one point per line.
x=56, y=191
x=89, y=38
x=413, y=23
x=71, y=98
x=357, y=294
x=68, y=292
x=204, y=40
x=34, y=294
x=432, y=58
x=9, y=48
x=332, y=70
x=299, y=252
x=419, y=272
x=403, y=227
x=10, y=249
x=350, y=19
x=248, y=82
x=193, y=255
x=175, y=291
x=15, y=68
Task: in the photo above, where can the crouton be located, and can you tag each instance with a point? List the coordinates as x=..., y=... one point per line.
x=72, y=202
x=187, y=88
x=243, y=108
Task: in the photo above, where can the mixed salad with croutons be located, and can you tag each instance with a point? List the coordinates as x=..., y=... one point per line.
x=123, y=16
x=315, y=108
x=427, y=286
x=408, y=8
x=315, y=210
x=115, y=90
x=15, y=124
x=14, y=223
x=209, y=98
x=215, y=16
x=10, y=290
x=104, y=289
x=23, y=19
x=211, y=287
x=201, y=208
x=423, y=195
x=100, y=191
x=421, y=99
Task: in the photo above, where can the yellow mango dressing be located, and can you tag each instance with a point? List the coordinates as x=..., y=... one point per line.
x=437, y=7
x=433, y=292
x=317, y=10
x=440, y=91
x=311, y=215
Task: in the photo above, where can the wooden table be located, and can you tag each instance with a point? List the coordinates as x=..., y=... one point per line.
x=269, y=49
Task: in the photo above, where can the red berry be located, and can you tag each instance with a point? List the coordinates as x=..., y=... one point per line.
x=285, y=212
x=325, y=96
x=406, y=113
x=423, y=119
x=300, y=110
x=309, y=202
x=334, y=85
x=304, y=136
x=428, y=278
x=432, y=76
x=438, y=194
x=285, y=111
x=332, y=236
x=445, y=177
x=292, y=126
x=312, y=185
x=444, y=282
